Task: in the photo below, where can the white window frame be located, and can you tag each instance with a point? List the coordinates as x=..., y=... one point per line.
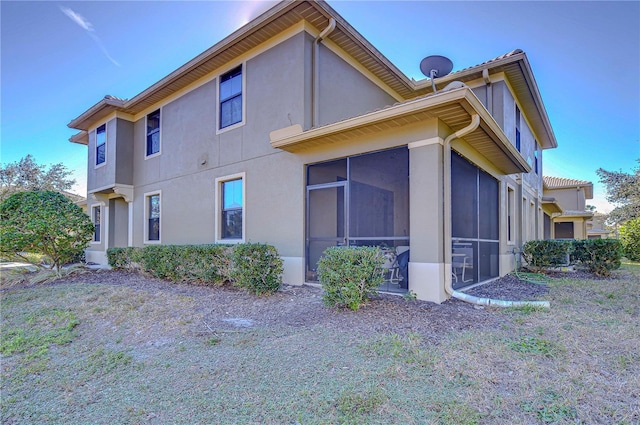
x=511, y=215
x=146, y=118
x=145, y=226
x=91, y=209
x=243, y=67
x=95, y=147
x=218, y=207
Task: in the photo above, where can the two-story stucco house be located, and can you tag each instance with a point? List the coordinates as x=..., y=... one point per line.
x=571, y=220
x=295, y=131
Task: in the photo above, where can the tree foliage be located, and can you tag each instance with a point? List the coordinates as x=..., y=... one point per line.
x=27, y=175
x=623, y=189
x=43, y=222
x=630, y=238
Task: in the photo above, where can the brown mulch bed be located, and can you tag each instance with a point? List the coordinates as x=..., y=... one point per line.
x=302, y=306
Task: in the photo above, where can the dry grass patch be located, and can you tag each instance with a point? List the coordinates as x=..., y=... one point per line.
x=144, y=351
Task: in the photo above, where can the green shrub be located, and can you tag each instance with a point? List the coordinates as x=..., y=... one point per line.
x=256, y=268
x=350, y=275
x=43, y=222
x=123, y=258
x=600, y=256
x=630, y=238
x=188, y=263
x=546, y=253
x=250, y=266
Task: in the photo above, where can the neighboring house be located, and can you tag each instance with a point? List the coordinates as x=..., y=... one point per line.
x=570, y=222
x=295, y=131
x=596, y=228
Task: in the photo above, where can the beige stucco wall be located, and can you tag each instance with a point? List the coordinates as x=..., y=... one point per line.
x=276, y=94
x=572, y=199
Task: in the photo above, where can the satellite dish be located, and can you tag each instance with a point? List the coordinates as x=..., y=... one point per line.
x=435, y=66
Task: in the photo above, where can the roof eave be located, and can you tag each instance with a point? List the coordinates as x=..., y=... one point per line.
x=81, y=138
x=475, y=72
x=101, y=109
x=506, y=157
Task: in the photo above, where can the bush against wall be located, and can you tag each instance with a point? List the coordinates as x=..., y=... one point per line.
x=251, y=266
x=256, y=268
x=350, y=275
x=44, y=222
x=630, y=239
x=546, y=253
x=599, y=256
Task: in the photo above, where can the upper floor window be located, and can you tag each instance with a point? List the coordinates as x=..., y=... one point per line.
x=536, y=161
x=517, y=128
x=153, y=133
x=152, y=213
x=101, y=144
x=231, y=98
x=95, y=217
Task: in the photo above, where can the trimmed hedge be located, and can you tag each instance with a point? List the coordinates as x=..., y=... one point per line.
x=599, y=256
x=256, y=268
x=350, y=275
x=253, y=267
x=546, y=253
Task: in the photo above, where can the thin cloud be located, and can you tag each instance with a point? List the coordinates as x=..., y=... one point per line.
x=84, y=23
x=77, y=18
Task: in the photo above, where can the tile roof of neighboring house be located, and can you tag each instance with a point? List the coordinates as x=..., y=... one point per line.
x=565, y=183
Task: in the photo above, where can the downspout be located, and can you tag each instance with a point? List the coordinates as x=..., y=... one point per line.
x=487, y=81
x=315, y=54
x=448, y=284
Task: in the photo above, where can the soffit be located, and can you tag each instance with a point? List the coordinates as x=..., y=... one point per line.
x=551, y=206
x=453, y=108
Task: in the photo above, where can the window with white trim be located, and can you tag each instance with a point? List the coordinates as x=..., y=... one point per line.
x=101, y=144
x=518, y=128
x=153, y=133
x=96, y=219
x=230, y=210
x=231, y=97
x=511, y=203
x=152, y=216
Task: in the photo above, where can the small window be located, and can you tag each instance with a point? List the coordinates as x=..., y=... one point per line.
x=152, y=212
x=231, y=98
x=95, y=217
x=536, y=161
x=511, y=200
x=101, y=144
x=517, y=128
x=153, y=133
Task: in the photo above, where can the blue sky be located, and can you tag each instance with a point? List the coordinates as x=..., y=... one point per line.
x=58, y=58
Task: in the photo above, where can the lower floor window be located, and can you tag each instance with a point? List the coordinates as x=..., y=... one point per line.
x=95, y=216
x=231, y=207
x=153, y=217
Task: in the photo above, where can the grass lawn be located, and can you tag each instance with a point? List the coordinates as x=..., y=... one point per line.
x=112, y=354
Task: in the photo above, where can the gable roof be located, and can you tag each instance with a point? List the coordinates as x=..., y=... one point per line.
x=552, y=183
x=318, y=13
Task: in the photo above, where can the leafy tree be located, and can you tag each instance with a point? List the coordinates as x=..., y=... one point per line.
x=27, y=175
x=43, y=222
x=623, y=189
x=630, y=238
